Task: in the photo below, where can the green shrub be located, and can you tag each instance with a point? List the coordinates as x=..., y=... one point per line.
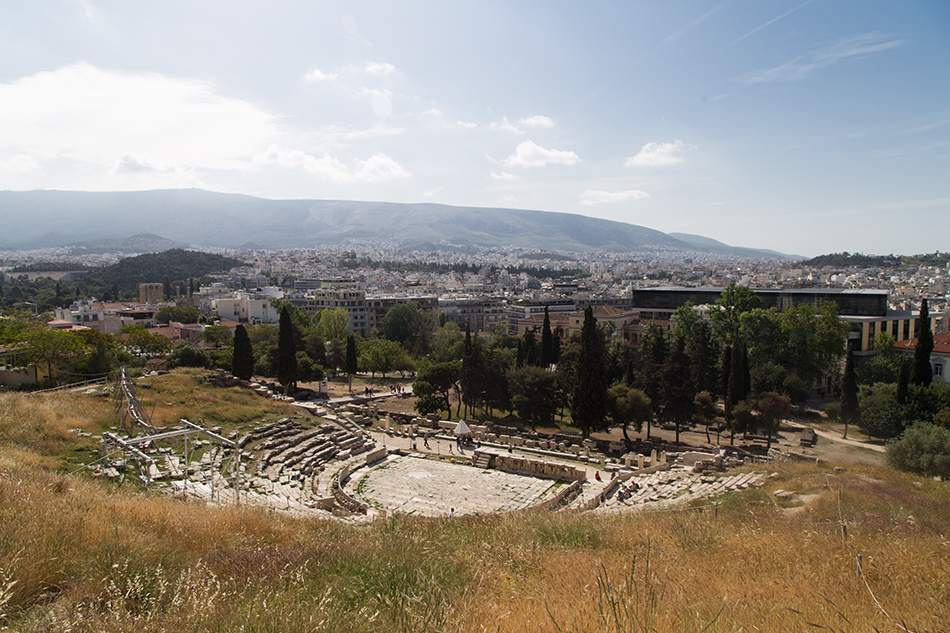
x=923, y=449
x=187, y=355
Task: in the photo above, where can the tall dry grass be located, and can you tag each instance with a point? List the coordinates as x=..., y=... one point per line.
x=84, y=555
x=184, y=393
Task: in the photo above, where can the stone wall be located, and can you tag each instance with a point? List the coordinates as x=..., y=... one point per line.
x=538, y=468
x=345, y=500
x=563, y=496
x=377, y=455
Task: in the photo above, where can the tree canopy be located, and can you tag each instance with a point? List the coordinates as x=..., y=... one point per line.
x=408, y=323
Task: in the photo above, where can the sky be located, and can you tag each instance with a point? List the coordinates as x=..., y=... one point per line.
x=802, y=126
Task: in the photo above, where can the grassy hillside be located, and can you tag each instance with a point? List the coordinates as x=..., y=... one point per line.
x=84, y=555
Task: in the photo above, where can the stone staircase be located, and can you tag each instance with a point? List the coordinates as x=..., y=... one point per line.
x=481, y=460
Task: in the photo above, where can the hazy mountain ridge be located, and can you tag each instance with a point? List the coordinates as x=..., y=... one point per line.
x=720, y=247
x=195, y=216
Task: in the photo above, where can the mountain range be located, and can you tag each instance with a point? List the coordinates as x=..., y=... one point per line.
x=42, y=219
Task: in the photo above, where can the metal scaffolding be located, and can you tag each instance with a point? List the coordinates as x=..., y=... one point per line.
x=130, y=410
x=152, y=447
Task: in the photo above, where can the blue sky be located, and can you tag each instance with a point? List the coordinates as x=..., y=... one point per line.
x=806, y=127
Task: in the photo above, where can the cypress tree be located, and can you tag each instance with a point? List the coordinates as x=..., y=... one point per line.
x=286, y=353
x=725, y=372
x=471, y=369
x=903, y=379
x=921, y=371
x=590, y=390
x=734, y=391
x=351, y=361
x=547, y=341
x=850, y=412
x=745, y=374
x=242, y=360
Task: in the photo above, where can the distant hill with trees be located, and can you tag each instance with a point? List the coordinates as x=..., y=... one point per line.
x=48, y=267
x=859, y=260
x=856, y=260
x=176, y=268
x=175, y=265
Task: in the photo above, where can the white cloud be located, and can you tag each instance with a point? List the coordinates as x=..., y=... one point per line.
x=132, y=164
x=804, y=65
x=19, y=163
x=659, y=154
x=467, y=125
x=509, y=198
x=505, y=126
x=380, y=168
x=82, y=115
x=502, y=176
x=377, y=168
x=537, y=121
x=530, y=154
x=315, y=74
x=592, y=196
x=380, y=68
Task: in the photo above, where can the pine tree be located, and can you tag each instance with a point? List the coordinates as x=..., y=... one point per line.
x=921, y=371
x=590, y=390
x=547, y=341
x=242, y=360
x=286, y=353
x=532, y=351
x=677, y=388
x=702, y=359
x=850, y=413
x=652, y=356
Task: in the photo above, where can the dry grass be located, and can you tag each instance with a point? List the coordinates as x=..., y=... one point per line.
x=182, y=394
x=83, y=555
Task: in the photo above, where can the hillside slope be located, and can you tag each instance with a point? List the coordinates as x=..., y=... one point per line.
x=194, y=216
